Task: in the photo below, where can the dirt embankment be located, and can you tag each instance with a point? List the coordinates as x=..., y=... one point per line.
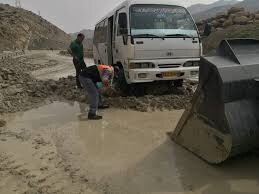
x=22, y=29
x=20, y=91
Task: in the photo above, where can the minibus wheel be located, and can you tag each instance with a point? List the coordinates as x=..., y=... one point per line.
x=178, y=83
x=121, y=83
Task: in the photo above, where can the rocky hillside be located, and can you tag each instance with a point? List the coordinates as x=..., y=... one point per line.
x=88, y=42
x=236, y=31
x=212, y=10
x=234, y=16
x=22, y=29
x=235, y=23
x=198, y=8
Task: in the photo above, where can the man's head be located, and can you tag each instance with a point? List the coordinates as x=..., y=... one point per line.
x=80, y=37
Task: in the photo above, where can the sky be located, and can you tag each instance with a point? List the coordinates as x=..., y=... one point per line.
x=75, y=15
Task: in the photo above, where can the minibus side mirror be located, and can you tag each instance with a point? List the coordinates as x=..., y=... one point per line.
x=124, y=31
x=123, y=24
x=123, y=27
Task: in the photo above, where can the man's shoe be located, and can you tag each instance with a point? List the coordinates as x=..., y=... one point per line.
x=92, y=116
x=104, y=106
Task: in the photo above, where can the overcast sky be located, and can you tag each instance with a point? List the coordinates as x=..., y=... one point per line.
x=75, y=15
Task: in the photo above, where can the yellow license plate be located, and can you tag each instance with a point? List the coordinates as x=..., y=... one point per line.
x=169, y=74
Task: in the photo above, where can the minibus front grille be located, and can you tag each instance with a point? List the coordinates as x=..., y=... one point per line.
x=169, y=65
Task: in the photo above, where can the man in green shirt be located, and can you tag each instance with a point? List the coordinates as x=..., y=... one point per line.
x=76, y=49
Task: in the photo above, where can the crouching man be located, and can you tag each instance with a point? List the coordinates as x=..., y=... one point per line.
x=89, y=77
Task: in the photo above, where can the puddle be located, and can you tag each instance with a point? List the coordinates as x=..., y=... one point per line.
x=130, y=152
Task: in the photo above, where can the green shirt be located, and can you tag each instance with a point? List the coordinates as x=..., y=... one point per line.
x=77, y=49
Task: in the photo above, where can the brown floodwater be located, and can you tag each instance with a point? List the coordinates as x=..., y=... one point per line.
x=131, y=153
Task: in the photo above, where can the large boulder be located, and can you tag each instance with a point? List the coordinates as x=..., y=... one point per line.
x=242, y=13
x=234, y=10
x=221, y=15
x=256, y=16
x=243, y=20
x=215, y=24
x=228, y=23
x=221, y=20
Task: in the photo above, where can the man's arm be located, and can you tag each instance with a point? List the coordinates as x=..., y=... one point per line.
x=106, y=78
x=70, y=51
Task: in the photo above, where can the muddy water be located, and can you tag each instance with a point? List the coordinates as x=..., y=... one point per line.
x=129, y=152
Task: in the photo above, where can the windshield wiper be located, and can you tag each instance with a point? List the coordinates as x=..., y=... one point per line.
x=179, y=35
x=149, y=35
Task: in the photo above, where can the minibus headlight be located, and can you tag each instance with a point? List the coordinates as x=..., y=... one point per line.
x=191, y=64
x=188, y=64
x=196, y=63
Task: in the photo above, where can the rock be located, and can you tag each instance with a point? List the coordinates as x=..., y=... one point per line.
x=53, y=86
x=221, y=20
x=218, y=29
x=235, y=10
x=221, y=15
x=242, y=13
x=13, y=90
x=82, y=98
x=231, y=17
x=227, y=23
x=215, y=24
x=256, y=16
x=241, y=20
x=5, y=76
x=4, y=85
x=2, y=123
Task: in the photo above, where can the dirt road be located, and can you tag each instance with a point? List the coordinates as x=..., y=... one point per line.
x=55, y=149
x=63, y=67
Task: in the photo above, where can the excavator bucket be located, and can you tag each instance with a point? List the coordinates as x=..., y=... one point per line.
x=223, y=120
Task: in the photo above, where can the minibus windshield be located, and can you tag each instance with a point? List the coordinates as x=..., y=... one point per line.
x=161, y=21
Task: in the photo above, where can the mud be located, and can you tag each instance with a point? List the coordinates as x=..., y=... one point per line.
x=2, y=123
x=27, y=82
x=55, y=149
x=128, y=152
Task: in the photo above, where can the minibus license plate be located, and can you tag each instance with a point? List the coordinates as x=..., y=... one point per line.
x=169, y=74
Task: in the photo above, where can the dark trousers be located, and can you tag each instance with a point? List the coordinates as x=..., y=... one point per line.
x=92, y=93
x=78, y=66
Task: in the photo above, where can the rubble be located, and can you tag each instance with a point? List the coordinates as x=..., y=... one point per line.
x=20, y=91
x=2, y=123
x=234, y=16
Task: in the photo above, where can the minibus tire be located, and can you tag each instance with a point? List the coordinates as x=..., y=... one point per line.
x=137, y=90
x=122, y=83
x=178, y=83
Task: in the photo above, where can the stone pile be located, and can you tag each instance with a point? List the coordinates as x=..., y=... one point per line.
x=234, y=16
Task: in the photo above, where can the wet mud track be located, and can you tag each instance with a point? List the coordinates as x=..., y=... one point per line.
x=55, y=149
